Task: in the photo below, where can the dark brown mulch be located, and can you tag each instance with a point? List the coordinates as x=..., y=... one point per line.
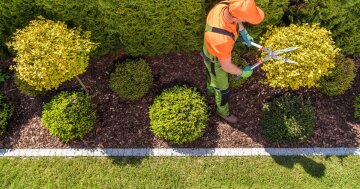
x=126, y=124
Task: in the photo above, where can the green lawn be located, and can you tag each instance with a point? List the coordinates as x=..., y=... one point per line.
x=181, y=172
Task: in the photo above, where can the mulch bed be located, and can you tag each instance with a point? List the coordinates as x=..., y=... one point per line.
x=124, y=124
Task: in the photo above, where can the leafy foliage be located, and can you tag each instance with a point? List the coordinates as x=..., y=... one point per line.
x=340, y=79
x=132, y=79
x=316, y=56
x=27, y=89
x=150, y=27
x=98, y=17
x=288, y=120
x=69, y=115
x=14, y=14
x=179, y=115
x=49, y=53
x=339, y=16
x=357, y=107
x=6, y=111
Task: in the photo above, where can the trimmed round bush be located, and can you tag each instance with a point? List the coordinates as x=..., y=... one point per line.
x=340, y=79
x=315, y=57
x=179, y=115
x=48, y=53
x=240, y=62
x=288, y=120
x=6, y=111
x=27, y=89
x=69, y=115
x=131, y=79
x=357, y=107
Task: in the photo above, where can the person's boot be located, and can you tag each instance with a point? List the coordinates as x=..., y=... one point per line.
x=230, y=118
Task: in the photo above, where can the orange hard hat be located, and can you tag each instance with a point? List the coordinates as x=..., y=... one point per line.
x=246, y=10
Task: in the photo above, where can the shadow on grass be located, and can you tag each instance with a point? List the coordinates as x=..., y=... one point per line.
x=313, y=168
x=123, y=161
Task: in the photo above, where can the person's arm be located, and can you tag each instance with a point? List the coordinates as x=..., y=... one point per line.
x=228, y=67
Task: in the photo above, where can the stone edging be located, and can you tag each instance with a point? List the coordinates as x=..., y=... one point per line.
x=142, y=152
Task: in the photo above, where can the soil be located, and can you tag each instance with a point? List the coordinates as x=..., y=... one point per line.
x=124, y=124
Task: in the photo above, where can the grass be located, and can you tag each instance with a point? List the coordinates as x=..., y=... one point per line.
x=181, y=172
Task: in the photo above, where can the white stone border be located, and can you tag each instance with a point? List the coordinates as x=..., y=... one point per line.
x=142, y=152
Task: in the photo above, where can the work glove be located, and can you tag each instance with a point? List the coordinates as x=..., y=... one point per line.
x=246, y=37
x=247, y=72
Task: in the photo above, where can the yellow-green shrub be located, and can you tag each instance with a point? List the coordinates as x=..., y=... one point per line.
x=316, y=56
x=48, y=53
x=27, y=89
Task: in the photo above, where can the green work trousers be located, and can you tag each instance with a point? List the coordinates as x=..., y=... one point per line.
x=217, y=82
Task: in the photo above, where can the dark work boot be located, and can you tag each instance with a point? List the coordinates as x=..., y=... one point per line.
x=230, y=118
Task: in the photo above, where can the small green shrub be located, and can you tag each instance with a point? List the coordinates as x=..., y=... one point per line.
x=357, y=107
x=340, y=79
x=6, y=111
x=69, y=115
x=240, y=62
x=131, y=79
x=316, y=56
x=288, y=120
x=339, y=16
x=48, y=53
x=27, y=89
x=149, y=27
x=179, y=115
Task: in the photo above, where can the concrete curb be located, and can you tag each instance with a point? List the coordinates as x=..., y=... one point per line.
x=143, y=152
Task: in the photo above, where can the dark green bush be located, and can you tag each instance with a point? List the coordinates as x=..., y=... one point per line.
x=179, y=115
x=131, y=79
x=288, y=120
x=27, y=89
x=69, y=115
x=151, y=27
x=3, y=76
x=240, y=62
x=14, y=14
x=357, y=107
x=340, y=79
x=339, y=16
x=6, y=111
x=98, y=17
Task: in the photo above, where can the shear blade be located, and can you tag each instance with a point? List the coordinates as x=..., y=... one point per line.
x=285, y=50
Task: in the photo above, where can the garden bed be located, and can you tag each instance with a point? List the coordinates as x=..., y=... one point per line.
x=125, y=124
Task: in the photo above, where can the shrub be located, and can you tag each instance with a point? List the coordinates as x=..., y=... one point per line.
x=6, y=111
x=179, y=115
x=340, y=79
x=69, y=115
x=341, y=17
x=132, y=79
x=357, y=107
x=151, y=28
x=48, y=53
x=240, y=62
x=27, y=89
x=316, y=56
x=98, y=17
x=288, y=120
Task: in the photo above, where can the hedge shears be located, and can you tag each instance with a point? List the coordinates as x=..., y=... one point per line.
x=272, y=55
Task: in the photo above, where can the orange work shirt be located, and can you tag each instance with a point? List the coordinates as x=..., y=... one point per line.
x=219, y=45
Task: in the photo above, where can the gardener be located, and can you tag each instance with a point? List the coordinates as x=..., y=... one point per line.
x=223, y=26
